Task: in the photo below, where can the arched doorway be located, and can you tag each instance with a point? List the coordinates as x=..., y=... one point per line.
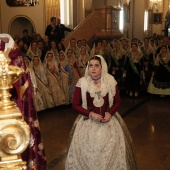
x=18, y=24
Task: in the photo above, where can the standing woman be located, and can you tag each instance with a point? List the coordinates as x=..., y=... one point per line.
x=148, y=61
x=107, y=49
x=42, y=83
x=54, y=79
x=117, y=64
x=126, y=45
x=66, y=74
x=101, y=139
x=160, y=81
x=133, y=70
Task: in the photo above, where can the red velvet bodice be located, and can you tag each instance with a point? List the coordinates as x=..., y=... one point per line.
x=100, y=110
x=77, y=103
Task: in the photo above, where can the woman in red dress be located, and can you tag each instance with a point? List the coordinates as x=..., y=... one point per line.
x=100, y=138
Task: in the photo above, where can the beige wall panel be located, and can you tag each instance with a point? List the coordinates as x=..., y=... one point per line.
x=34, y=14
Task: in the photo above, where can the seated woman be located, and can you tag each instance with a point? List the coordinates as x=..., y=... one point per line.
x=75, y=72
x=101, y=140
x=97, y=49
x=33, y=51
x=54, y=49
x=73, y=45
x=42, y=83
x=66, y=74
x=60, y=47
x=83, y=59
x=54, y=79
x=160, y=81
x=38, y=101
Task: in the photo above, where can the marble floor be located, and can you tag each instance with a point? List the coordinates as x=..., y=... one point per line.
x=147, y=118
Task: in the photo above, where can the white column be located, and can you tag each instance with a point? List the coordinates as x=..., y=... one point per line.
x=65, y=12
x=80, y=11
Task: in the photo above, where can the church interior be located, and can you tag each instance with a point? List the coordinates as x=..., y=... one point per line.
x=147, y=116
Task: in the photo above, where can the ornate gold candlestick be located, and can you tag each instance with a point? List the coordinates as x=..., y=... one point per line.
x=14, y=132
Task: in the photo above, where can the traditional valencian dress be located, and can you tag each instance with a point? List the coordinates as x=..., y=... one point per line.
x=66, y=75
x=33, y=52
x=160, y=81
x=148, y=62
x=117, y=66
x=42, y=84
x=83, y=59
x=75, y=75
x=95, y=145
x=133, y=71
x=96, y=50
x=37, y=98
x=54, y=80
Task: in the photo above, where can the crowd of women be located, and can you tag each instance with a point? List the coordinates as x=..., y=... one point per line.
x=136, y=65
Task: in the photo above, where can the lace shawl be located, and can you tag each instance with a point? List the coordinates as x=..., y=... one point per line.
x=108, y=85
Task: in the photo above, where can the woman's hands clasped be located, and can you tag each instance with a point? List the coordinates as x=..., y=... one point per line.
x=96, y=117
x=99, y=118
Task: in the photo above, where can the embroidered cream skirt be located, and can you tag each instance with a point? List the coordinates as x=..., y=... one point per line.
x=100, y=146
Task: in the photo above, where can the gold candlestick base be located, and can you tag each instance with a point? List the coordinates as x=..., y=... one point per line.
x=13, y=165
x=14, y=132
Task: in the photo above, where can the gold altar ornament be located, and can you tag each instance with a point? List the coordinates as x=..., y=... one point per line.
x=14, y=131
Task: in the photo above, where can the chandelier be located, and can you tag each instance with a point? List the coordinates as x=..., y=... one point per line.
x=28, y=2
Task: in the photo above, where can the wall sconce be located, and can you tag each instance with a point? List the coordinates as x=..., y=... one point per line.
x=124, y=2
x=155, y=4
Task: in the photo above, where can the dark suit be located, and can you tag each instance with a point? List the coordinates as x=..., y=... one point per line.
x=48, y=31
x=61, y=28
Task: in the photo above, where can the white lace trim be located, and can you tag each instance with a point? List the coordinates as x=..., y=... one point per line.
x=108, y=85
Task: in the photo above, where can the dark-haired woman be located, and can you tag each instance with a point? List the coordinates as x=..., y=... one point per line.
x=54, y=79
x=101, y=139
x=117, y=65
x=133, y=70
x=75, y=72
x=97, y=49
x=148, y=61
x=160, y=81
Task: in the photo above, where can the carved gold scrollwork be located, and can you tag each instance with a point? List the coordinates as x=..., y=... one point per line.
x=14, y=131
x=14, y=136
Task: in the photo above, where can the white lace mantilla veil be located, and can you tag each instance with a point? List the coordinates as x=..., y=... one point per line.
x=9, y=45
x=45, y=60
x=106, y=79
